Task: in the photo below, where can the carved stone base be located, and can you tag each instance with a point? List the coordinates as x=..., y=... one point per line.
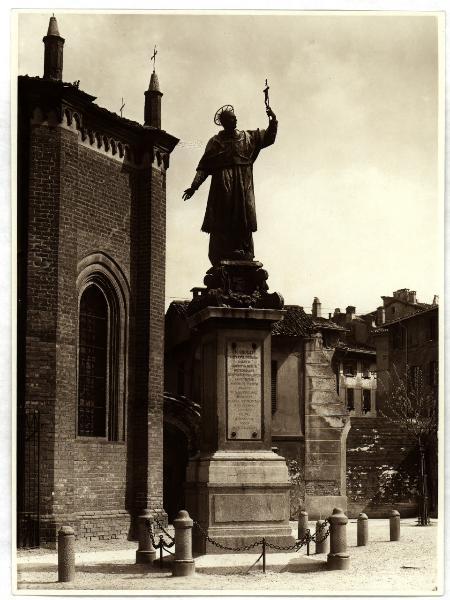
x=238, y=498
x=237, y=284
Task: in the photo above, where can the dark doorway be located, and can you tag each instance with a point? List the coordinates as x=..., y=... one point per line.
x=176, y=456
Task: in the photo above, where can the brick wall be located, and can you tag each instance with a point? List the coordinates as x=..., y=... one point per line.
x=294, y=453
x=148, y=276
x=40, y=295
x=382, y=466
x=79, y=202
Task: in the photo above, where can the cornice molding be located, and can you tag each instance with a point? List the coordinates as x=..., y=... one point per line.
x=55, y=104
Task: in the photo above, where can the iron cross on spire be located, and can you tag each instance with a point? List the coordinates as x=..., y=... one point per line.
x=153, y=58
x=122, y=107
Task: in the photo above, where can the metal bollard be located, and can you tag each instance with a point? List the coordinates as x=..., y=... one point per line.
x=322, y=546
x=66, y=554
x=362, y=530
x=338, y=559
x=302, y=524
x=394, y=525
x=145, y=553
x=183, y=563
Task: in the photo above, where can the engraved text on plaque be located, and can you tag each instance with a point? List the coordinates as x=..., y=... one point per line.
x=244, y=390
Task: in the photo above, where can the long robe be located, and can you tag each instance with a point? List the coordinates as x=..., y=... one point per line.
x=229, y=160
x=230, y=216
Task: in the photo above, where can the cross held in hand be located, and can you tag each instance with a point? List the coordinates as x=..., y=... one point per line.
x=266, y=94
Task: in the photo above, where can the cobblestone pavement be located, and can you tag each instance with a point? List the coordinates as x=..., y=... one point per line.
x=408, y=566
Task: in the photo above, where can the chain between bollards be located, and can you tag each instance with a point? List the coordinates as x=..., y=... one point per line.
x=321, y=536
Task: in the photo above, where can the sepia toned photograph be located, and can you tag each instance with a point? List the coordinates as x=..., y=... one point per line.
x=228, y=267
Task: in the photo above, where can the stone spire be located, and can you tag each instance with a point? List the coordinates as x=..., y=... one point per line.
x=152, y=110
x=53, y=53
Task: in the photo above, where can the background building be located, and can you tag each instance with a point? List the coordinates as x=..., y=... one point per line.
x=408, y=347
x=335, y=365
x=91, y=268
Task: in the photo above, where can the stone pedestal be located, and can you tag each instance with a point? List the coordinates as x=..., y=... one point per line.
x=237, y=489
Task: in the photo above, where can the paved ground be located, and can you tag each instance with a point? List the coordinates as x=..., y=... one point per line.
x=407, y=566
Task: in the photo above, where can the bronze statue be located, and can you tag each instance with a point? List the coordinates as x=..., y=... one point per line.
x=230, y=216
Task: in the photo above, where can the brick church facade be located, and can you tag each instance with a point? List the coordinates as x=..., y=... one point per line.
x=91, y=271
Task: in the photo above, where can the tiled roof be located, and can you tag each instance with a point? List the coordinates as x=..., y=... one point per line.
x=323, y=323
x=426, y=309
x=392, y=299
x=350, y=345
x=294, y=323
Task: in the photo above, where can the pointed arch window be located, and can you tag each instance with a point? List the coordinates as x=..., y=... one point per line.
x=102, y=335
x=93, y=363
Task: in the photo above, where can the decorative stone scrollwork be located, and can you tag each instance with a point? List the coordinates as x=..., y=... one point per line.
x=237, y=284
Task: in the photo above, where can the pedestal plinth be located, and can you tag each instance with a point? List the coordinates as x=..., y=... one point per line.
x=237, y=489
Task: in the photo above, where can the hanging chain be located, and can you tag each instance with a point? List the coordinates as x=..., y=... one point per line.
x=304, y=541
x=296, y=546
x=162, y=543
x=320, y=530
x=162, y=528
x=221, y=546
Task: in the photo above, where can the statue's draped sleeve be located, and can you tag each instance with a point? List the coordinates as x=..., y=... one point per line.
x=270, y=133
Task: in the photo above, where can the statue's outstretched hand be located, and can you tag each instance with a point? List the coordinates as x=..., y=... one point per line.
x=188, y=193
x=270, y=113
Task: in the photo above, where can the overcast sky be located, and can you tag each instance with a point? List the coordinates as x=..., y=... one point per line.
x=347, y=198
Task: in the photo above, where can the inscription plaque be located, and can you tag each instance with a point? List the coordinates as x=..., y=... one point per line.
x=244, y=390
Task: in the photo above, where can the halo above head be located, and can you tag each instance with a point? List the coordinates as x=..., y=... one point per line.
x=222, y=109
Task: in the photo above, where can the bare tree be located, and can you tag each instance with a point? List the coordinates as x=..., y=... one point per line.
x=413, y=406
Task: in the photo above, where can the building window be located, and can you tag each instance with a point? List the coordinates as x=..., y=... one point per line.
x=273, y=385
x=92, y=363
x=349, y=369
x=365, y=368
x=102, y=361
x=350, y=399
x=366, y=397
x=433, y=373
